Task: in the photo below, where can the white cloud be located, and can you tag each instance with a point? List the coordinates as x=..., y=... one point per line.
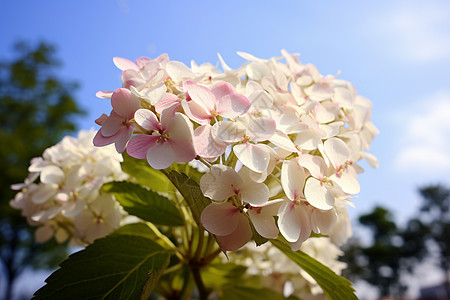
x=424, y=143
x=414, y=31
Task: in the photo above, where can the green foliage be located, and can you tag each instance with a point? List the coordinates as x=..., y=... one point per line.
x=124, y=265
x=191, y=192
x=145, y=204
x=334, y=286
x=145, y=175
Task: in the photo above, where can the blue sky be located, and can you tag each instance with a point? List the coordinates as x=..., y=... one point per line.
x=396, y=53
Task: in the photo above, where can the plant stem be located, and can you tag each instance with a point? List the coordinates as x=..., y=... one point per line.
x=203, y=292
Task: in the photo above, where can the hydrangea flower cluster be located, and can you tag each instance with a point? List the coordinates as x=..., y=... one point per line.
x=279, y=274
x=279, y=139
x=62, y=194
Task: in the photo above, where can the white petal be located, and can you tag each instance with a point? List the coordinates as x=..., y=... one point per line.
x=263, y=218
x=308, y=139
x=220, y=218
x=52, y=175
x=323, y=221
x=289, y=222
x=228, y=131
x=44, y=193
x=254, y=193
x=261, y=129
x=292, y=179
x=337, y=151
x=305, y=225
x=315, y=164
x=282, y=140
x=178, y=71
x=220, y=183
x=318, y=195
x=255, y=157
x=348, y=180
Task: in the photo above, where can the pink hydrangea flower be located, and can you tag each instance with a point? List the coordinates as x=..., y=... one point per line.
x=118, y=127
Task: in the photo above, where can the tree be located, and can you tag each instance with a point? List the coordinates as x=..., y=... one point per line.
x=435, y=217
x=379, y=263
x=37, y=109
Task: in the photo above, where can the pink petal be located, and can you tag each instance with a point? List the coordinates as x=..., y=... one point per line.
x=100, y=120
x=255, y=157
x=100, y=140
x=160, y=156
x=232, y=106
x=184, y=150
x=205, y=145
x=238, y=237
x=139, y=145
x=221, y=89
x=166, y=101
x=111, y=125
x=125, y=103
x=123, y=136
x=318, y=195
x=132, y=78
x=125, y=64
x=220, y=218
x=196, y=112
x=200, y=95
x=147, y=119
x=289, y=222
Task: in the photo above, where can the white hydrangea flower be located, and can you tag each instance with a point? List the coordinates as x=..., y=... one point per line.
x=66, y=201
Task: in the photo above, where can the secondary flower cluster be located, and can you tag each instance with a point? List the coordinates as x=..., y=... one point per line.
x=62, y=195
x=279, y=274
x=280, y=140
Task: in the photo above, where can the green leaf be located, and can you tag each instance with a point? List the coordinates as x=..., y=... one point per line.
x=334, y=286
x=123, y=265
x=191, y=192
x=145, y=204
x=145, y=175
x=217, y=276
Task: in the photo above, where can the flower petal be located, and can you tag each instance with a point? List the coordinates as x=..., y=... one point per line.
x=220, y=183
x=238, y=237
x=261, y=129
x=292, y=179
x=289, y=222
x=205, y=145
x=318, y=195
x=139, y=145
x=255, y=157
x=147, y=119
x=160, y=156
x=124, y=103
x=254, y=193
x=220, y=218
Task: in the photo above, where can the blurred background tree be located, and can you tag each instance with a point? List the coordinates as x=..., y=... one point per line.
x=394, y=251
x=37, y=109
